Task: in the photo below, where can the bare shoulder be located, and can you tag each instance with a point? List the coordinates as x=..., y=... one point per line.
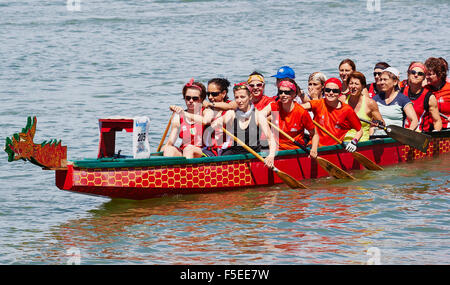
x=372, y=104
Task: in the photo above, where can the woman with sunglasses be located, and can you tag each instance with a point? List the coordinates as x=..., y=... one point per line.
x=394, y=107
x=365, y=107
x=291, y=118
x=424, y=101
x=335, y=116
x=218, y=105
x=373, y=88
x=245, y=123
x=189, y=131
x=436, y=76
x=256, y=84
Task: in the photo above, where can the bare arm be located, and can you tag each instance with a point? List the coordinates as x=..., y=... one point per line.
x=359, y=134
x=262, y=123
x=434, y=111
x=222, y=106
x=306, y=106
x=301, y=94
x=314, y=142
x=205, y=118
x=411, y=115
x=223, y=120
x=373, y=113
x=175, y=126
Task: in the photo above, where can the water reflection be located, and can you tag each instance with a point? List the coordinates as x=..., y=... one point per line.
x=250, y=226
x=331, y=223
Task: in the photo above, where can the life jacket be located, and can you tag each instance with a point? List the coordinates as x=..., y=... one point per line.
x=443, y=100
x=372, y=89
x=421, y=106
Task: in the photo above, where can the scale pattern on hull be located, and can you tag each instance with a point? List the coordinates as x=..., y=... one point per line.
x=179, y=176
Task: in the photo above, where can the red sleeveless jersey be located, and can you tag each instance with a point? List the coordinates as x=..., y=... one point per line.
x=191, y=134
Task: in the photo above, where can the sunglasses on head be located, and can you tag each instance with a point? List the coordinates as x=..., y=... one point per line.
x=189, y=98
x=413, y=72
x=329, y=90
x=287, y=92
x=214, y=94
x=259, y=85
x=376, y=74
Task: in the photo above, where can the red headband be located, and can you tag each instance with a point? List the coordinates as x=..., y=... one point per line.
x=418, y=64
x=335, y=81
x=287, y=84
x=191, y=84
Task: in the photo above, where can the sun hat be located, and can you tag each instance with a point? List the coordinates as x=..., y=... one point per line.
x=393, y=70
x=285, y=72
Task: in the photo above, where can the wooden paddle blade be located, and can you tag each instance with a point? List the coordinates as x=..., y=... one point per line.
x=289, y=180
x=333, y=169
x=405, y=136
x=366, y=162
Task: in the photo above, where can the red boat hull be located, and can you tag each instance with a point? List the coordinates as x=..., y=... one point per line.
x=195, y=176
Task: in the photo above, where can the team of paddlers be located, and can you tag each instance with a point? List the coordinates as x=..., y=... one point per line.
x=421, y=102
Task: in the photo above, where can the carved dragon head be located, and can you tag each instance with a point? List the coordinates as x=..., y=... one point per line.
x=20, y=146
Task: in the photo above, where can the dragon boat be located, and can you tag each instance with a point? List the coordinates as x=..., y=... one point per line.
x=114, y=176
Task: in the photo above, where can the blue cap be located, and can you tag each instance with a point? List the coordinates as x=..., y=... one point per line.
x=285, y=71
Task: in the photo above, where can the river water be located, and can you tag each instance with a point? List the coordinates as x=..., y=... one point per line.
x=130, y=58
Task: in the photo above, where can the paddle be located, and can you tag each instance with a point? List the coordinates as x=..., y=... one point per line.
x=405, y=136
x=165, y=133
x=289, y=180
x=367, y=163
x=330, y=167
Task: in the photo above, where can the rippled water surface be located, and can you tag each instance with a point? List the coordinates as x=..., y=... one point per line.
x=129, y=58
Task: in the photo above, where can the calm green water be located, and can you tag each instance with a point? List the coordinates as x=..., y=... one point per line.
x=130, y=58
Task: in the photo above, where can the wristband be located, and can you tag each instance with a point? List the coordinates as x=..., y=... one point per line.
x=354, y=141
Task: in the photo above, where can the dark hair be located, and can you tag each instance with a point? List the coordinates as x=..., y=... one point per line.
x=223, y=84
x=445, y=62
x=438, y=66
x=256, y=73
x=382, y=65
x=357, y=75
x=198, y=84
x=349, y=62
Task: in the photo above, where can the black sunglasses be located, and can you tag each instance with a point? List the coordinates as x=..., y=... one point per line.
x=376, y=73
x=413, y=72
x=188, y=98
x=287, y=92
x=328, y=90
x=214, y=94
